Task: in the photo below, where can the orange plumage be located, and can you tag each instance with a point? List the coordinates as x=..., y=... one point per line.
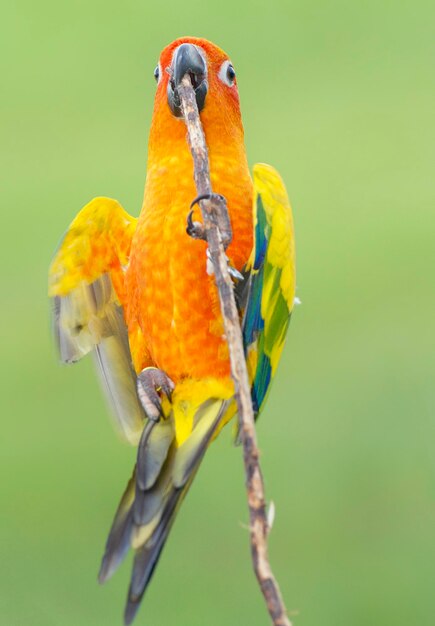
x=169, y=294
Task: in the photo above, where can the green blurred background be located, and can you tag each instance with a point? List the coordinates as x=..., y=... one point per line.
x=339, y=97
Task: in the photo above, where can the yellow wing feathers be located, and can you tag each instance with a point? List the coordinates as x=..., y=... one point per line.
x=97, y=241
x=86, y=281
x=281, y=248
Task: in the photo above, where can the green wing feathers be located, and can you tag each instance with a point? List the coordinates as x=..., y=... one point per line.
x=272, y=281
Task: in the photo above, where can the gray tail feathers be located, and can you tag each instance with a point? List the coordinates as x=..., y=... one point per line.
x=162, y=476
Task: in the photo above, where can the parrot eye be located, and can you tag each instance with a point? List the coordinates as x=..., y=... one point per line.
x=157, y=73
x=231, y=74
x=227, y=73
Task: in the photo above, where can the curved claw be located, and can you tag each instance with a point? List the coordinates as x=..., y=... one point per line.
x=195, y=229
x=207, y=196
x=234, y=273
x=150, y=382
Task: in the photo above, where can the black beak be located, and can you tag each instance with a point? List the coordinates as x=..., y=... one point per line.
x=187, y=60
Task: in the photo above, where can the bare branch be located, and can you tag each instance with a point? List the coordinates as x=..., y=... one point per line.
x=218, y=232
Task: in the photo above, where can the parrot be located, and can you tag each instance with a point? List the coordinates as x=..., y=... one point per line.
x=138, y=294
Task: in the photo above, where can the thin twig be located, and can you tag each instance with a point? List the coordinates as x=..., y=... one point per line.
x=215, y=217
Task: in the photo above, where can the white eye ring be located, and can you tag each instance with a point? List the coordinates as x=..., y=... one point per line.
x=227, y=74
x=158, y=73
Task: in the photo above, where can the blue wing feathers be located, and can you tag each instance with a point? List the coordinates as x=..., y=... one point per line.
x=261, y=238
x=261, y=382
x=253, y=322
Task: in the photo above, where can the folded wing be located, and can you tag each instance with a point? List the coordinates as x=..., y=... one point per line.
x=271, y=292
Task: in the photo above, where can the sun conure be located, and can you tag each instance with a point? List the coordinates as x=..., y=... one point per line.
x=136, y=292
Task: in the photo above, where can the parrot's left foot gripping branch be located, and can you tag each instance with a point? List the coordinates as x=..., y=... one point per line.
x=218, y=214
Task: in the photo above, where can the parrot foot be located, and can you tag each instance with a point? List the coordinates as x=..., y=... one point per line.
x=219, y=215
x=150, y=382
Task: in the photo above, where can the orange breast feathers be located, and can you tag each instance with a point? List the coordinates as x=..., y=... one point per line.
x=170, y=296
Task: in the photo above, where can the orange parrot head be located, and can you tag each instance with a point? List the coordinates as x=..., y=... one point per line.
x=214, y=80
